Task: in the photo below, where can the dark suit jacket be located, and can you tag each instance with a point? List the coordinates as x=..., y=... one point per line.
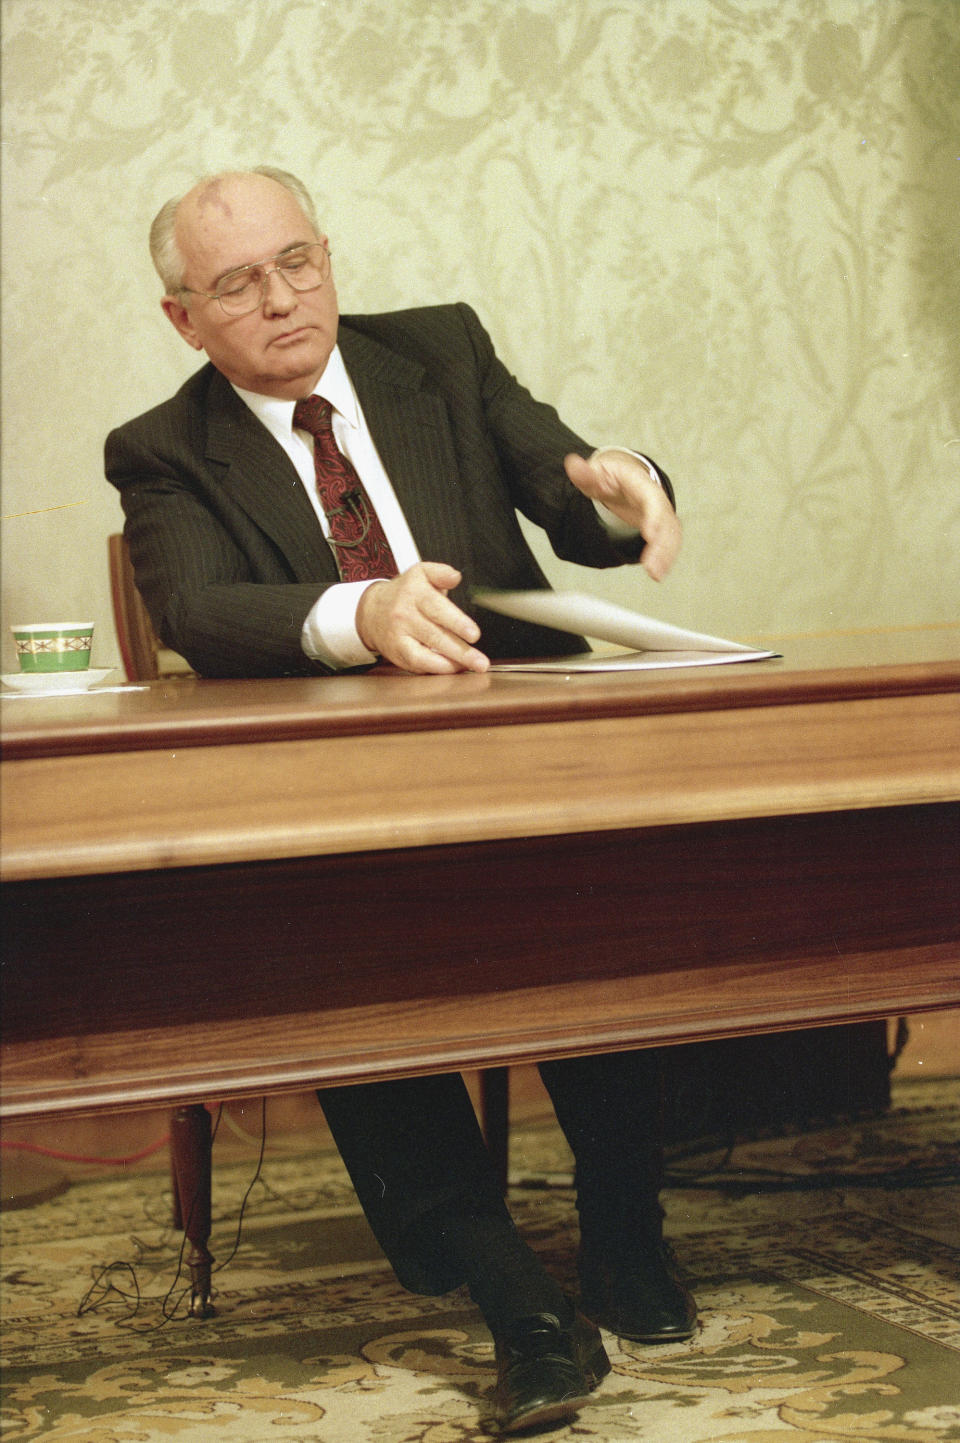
x=227, y=549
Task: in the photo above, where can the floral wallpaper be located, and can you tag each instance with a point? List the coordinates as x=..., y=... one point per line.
x=725, y=233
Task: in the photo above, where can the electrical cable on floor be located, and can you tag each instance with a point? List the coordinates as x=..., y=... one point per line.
x=252, y=1184
x=295, y=1201
x=13, y=1145
x=104, y=1285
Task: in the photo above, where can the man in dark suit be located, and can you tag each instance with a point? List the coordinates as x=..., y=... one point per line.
x=249, y=568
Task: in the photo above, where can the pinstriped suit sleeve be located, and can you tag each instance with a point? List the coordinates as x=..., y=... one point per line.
x=509, y=446
x=530, y=438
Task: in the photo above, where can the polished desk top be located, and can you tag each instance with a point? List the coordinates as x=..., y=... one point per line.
x=194, y=772
x=191, y=712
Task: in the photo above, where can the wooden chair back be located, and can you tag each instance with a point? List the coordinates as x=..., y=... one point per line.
x=143, y=654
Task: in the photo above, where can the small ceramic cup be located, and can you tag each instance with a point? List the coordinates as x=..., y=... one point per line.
x=54, y=645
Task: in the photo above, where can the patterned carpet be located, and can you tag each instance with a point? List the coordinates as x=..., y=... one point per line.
x=827, y=1266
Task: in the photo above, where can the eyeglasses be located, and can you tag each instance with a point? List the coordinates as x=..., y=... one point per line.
x=304, y=268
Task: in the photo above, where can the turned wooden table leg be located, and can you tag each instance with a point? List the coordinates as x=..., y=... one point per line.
x=190, y=1156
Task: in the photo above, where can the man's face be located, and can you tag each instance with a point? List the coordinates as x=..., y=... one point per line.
x=282, y=347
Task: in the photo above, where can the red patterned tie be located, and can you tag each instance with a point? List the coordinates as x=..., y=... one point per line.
x=356, y=535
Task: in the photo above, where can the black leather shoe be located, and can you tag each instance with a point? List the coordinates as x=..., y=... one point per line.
x=546, y=1372
x=637, y=1296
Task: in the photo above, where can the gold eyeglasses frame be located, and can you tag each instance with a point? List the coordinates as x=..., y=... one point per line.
x=228, y=284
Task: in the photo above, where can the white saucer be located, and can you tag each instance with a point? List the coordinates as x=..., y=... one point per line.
x=45, y=682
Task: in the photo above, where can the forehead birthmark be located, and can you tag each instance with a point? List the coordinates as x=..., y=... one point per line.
x=213, y=199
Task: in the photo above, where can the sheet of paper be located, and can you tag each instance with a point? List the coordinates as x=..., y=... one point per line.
x=632, y=661
x=592, y=616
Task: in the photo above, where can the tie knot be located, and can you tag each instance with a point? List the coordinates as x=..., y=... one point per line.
x=312, y=414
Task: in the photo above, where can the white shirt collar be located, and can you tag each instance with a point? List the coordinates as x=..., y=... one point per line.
x=334, y=386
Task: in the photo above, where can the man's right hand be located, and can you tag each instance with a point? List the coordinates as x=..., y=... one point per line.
x=411, y=622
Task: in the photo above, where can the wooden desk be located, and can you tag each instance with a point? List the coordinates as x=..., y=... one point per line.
x=223, y=888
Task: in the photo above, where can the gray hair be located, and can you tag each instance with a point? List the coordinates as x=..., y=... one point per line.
x=164, y=251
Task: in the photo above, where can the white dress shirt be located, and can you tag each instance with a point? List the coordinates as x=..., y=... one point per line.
x=329, y=633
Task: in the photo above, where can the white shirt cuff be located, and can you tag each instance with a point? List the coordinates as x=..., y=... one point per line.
x=618, y=528
x=329, y=633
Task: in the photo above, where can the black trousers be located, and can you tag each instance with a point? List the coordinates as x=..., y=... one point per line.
x=415, y=1145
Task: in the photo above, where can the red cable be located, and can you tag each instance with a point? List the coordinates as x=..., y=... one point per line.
x=74, y=1157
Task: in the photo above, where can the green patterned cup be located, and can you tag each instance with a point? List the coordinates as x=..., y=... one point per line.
x=54, y=645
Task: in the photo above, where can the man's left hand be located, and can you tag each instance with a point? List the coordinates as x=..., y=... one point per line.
x=623, y=484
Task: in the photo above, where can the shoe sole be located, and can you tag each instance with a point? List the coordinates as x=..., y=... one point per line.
x=678, y=1336
x=652, y=1338
x=608, y=1320
x=558, y=1411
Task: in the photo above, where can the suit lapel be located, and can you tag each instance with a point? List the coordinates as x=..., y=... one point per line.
x=259, y=476
x=411, y=430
